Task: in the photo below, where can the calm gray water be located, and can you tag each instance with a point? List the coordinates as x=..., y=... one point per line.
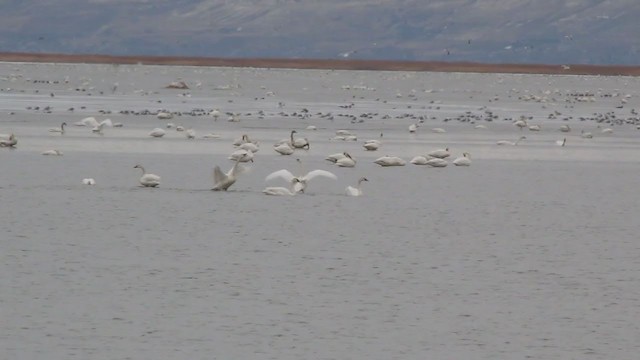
x=531, y=252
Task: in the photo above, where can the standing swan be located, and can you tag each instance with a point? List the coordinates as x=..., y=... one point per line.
x=60, y=130
x=222, y=181
x=355, y=190
x=148, y=180
x=299, y=183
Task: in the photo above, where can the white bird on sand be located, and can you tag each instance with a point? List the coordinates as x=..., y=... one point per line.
x=464, y=160
x=88, y=181
x=562, y=142
x=390, y=161
x=440, y=153
x=157, y=133
x=346, y=161
x=299, y=183
x=148, y=180
x=52, y=152
x=241, y=155
x=11, y=142
x=299, y=143
x=513, y=143
x=436, y=162
x=222, y=181
x=355, y=190
x=283, y=149
x=60, y=129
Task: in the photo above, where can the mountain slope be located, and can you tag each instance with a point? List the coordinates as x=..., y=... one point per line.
x=545, y=31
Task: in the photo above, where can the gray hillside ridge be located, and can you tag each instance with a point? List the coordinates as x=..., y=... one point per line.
x=513, y=31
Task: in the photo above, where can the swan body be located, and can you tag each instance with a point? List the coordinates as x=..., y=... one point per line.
x=512, y=143
x=356, y=190
x=157, y=133
x=190, y=134
x=241, y=155
x=390, y=161
x=335, y=157
x=278, y=191
x=98, y=128
x=561, y=142
x=283, y=149
x=607, y=131
x=521, y=124
x=253, y=147
x=565, y=128
x=299, y=183
x=180, y=128
x=436, y=162
x=59, y=130
x=148, y=180
x=312, y=127
x=346, y=161
x=215, y=114
x=586, y=135
x=299, y=143
x=440, y=153
x=11, y=142
x=438, y=130
x=534, y=127
x=88, y=121
x=52, y=152
x=464, y=160
x=222, y=181
x=163, y=115
x=419, y=160
x=88, y=181
x=372, y=145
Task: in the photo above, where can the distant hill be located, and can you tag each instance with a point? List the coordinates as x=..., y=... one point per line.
x=504, y=31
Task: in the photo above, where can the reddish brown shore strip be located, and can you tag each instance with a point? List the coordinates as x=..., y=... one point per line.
x=437, y=66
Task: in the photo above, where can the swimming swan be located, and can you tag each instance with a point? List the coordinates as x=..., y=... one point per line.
x=299, y=183
x=464, y=160
x=355, y=190
x=59, y=130
x=346, y=161
x=283, y=149
x=512, y=143
x=148, y=180
x=222, y=181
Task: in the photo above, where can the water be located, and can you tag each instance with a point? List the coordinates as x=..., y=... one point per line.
x=531, y=252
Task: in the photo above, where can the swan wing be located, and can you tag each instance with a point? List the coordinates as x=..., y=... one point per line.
x=237, y=169
x=106, y=122
x=315, y=173
x=218, y=175
x=284, y=174
x=88, y=121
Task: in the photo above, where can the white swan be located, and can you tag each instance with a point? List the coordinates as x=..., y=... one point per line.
x=346, y=161
x=438, y=130
x=59, y=130
x=190, y=134
x=372, y=145
x=534, y=128
x=241, y=155
x=298, y=143
x=241, y=140
x=164, y=115
x=355, y=190
x=283, y=149
x=586, y=135
x=88, y=121
x=98, y=128
x=11, y=142
x=562, y=142
x=215, y=113
x=222, y=181
x=464, y=160
x=148, y=180
x=299, y=183
x=335, y=157
x=419, y=160
x=565, y=128
x=440, y=153
x=390, y=161
x=52, y=152
x=436, y=162
x=88, y=181
x=157, y=133
x=521, y=124
x=250, y=146
x=281, y=191
x=413, y=128
x=513, y=143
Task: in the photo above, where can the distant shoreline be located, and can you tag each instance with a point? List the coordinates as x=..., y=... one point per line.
x=328, y=64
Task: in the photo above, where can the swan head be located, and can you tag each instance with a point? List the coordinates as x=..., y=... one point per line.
x=138, y=166
x=293, y=132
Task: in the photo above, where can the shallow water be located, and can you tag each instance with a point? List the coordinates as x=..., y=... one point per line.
x=531, y=252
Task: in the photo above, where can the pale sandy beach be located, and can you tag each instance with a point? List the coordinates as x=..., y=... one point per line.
x=530, y=252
